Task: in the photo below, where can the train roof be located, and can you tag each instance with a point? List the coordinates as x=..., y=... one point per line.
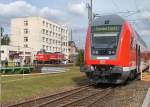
x=108, y=20
x=141, y=40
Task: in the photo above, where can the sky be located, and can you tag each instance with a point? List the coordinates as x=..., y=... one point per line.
x=73, y=13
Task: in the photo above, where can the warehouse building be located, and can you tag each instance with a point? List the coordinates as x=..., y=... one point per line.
x=16, y=55
x=39, y=33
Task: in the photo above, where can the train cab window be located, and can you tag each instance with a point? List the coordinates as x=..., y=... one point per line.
x=105, y=39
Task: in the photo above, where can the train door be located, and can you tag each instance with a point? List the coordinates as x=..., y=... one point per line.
x=138, y=58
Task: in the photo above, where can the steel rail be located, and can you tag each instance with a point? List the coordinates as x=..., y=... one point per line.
x=72, y=91
x=99, y=98
x=71, y=102
x=59, y=98
x=83, y=98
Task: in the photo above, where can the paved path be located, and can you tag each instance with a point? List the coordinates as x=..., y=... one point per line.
x=146, y=102
x=53, y=69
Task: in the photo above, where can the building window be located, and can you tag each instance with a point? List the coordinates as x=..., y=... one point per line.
x=27, y=52
x=43, y=23
x=46, y=47
x=49, y=33
x=46, y=32
x=26, y=31
x=43, y=31
x=56, y=42
x=47, y=40
x=25, y=45
x=25, y=39
x=53, y=28
x=25, y=23
x=43, y=39
x=43, y=46
x=46, y=24
x=50, y=41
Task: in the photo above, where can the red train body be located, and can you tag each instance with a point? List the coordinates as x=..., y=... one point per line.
x=114, y=52
x=49, y=58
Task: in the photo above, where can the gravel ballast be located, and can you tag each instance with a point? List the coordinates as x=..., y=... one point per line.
x=129, y=95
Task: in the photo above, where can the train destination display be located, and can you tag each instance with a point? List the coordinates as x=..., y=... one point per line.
x=110, y=28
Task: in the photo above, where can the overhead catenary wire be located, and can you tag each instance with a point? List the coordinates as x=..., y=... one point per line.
x=115, y=4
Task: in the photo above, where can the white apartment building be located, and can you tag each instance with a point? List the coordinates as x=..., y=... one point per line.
x=39, y=33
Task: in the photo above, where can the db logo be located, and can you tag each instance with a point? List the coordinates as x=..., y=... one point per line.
x=102, y=62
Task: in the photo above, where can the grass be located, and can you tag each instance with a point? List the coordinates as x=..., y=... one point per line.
x=31, y=85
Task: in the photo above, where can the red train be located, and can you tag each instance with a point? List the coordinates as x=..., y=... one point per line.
x=114, y=51
x=43, y=57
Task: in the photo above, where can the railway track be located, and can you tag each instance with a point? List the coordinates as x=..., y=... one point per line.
x=81, y=99
x=35, y=102
x=83, y=96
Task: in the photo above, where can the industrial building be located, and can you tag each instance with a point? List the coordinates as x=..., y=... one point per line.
x=16, y=55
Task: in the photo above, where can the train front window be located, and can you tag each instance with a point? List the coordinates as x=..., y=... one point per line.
x=105, y=40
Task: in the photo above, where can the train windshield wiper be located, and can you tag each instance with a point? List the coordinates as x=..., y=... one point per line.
x=111, y=44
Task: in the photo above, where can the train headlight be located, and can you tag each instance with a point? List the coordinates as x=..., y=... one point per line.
x=94, y=52
x=113, y=52
x=109, y=52
x=92, y=68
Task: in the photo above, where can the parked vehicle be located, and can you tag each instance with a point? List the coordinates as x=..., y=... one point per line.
x=43, y=57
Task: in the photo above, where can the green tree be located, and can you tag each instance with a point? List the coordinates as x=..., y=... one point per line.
x=80, y=58
x=5, y=40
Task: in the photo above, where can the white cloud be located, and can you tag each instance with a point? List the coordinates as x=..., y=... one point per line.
x=22, y=8
x=144, y=15
x=18, y=8
x=145, y=32
x=77, y=8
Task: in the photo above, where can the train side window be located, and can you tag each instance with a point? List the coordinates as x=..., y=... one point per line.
x=132, y=41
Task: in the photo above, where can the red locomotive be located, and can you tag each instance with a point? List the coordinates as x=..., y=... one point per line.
x=114, y=52
x=43, y=57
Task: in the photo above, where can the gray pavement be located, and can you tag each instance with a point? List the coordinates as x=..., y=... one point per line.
x=146, y=102
x=53, y=69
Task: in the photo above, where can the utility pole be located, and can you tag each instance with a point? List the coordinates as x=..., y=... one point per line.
x=61, y=39
x=71, y=35
x=90, y=11
x=1, y=35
